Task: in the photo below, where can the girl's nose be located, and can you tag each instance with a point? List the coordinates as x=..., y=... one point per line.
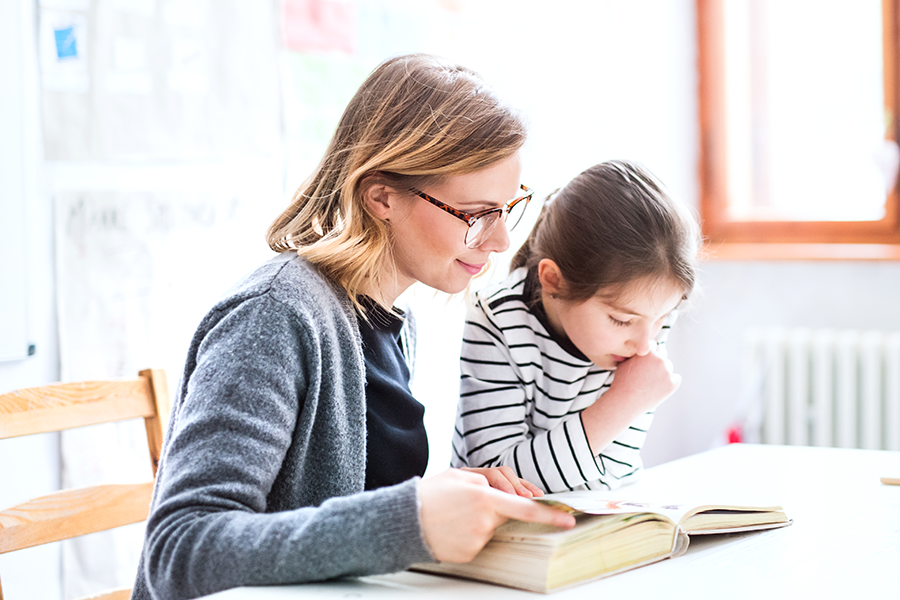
x=642, y=343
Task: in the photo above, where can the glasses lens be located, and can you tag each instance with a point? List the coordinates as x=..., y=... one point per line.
x=516, y=212
x=481, y=229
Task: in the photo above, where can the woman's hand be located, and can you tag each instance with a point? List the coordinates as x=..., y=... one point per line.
x=459, y=512
x=505, y=480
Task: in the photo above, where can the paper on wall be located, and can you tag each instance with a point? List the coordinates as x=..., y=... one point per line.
x=64, y=51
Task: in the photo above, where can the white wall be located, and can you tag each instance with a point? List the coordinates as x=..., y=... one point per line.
x=735, y=296
x=33, y=463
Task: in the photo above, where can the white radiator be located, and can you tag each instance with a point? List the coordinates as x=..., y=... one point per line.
x=824, y=387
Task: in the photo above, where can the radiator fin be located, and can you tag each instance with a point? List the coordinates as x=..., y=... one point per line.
x=833, y=388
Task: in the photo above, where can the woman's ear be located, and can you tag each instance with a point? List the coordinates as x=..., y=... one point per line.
x=550, y=277
x=379, y=197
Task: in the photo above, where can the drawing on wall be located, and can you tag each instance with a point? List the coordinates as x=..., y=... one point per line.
x=318, y=25
x=328, y=49
x=137, y=271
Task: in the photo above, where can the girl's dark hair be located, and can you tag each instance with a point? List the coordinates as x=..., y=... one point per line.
x=611, y=225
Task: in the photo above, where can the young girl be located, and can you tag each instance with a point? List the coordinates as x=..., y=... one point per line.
x=562, y=363
x=295, y=449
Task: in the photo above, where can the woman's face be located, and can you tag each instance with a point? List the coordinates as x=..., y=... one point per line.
x=429, y=243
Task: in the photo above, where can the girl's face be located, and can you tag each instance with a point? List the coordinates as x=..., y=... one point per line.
x=609, y=330
x=429, y=243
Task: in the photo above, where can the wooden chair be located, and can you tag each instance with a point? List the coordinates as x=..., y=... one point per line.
x=71, y=513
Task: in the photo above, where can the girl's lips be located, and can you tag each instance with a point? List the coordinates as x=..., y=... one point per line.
x=619, y=359
x=471, y=269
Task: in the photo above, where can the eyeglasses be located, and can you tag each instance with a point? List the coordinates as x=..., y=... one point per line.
x=481, y=224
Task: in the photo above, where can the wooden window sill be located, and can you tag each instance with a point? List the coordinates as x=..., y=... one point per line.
x=747, y=251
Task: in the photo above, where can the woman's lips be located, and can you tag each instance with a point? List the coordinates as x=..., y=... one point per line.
x=471, y=269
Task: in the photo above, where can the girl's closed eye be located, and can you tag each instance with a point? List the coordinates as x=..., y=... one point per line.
x=618, y=322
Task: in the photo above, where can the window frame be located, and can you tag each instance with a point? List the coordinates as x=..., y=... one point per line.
x=873, y=240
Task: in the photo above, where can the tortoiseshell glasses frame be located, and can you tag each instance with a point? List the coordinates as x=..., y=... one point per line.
x=481, y=224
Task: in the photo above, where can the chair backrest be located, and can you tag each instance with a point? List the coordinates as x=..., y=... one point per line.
x=71, y=513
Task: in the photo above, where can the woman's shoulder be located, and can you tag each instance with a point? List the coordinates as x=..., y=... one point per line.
x=286, y=277
x=292, y=283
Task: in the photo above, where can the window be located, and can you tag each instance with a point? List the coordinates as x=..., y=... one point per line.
x=798, y=153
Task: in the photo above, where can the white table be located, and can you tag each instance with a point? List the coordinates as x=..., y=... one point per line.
x=844, y=543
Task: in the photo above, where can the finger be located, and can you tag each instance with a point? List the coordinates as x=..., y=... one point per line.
x=517, y=483
x=513, y=507
x=472, y=475
x=494, y=478
x=535, y=490
x=498, y=481
x=523, y=491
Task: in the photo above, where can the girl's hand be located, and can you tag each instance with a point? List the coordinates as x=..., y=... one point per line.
x=640, y=385
x=459, y=512
x=505, y=480
x=646, y=380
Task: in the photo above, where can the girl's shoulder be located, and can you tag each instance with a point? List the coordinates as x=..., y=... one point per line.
x=508, y=299
x=511, y=289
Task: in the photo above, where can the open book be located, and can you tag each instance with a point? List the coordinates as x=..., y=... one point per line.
x=609, y=537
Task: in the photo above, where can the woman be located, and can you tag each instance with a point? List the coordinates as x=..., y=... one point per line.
x=294, y=449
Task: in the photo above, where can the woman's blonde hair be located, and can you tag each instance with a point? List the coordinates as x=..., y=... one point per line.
x=414, y=120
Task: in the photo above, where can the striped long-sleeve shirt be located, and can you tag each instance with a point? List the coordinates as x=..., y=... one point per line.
x=522, y=390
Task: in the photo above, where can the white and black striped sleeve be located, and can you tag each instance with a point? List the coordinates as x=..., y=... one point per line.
x=492, y=407
x=492, y=427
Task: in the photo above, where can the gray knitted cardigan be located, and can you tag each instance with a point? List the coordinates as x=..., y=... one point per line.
x=262, y=475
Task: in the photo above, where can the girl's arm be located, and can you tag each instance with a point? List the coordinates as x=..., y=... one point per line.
x=492, y=425
x=641, y=383
x=492, y=421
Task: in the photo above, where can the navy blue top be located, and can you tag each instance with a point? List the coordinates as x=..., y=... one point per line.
x=396, y=442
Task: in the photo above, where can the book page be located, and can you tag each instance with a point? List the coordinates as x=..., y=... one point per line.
x=592, y=503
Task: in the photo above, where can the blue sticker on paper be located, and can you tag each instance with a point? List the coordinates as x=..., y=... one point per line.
x=65, y=43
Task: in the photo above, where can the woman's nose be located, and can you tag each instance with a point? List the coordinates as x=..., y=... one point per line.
x=498, y=240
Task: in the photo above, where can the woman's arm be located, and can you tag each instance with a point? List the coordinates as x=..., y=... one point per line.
x=210, y=526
